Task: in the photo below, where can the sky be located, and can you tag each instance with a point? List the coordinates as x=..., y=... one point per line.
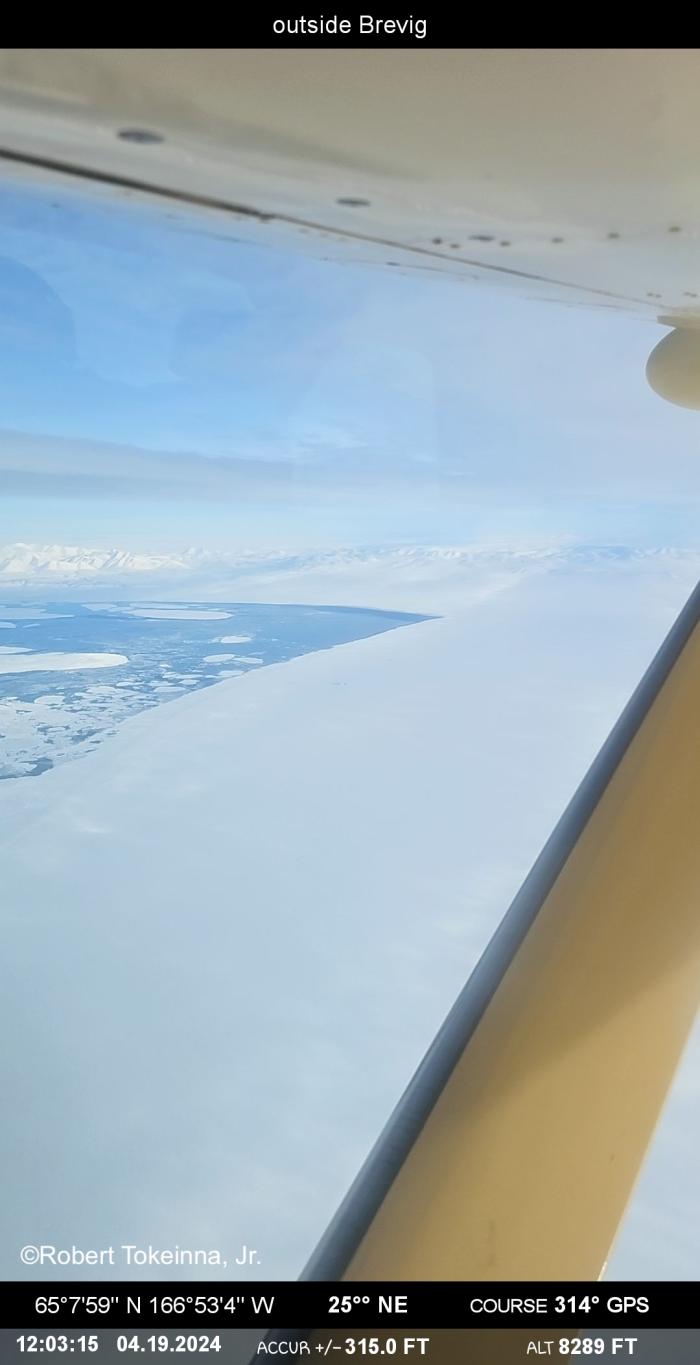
x=164, y=384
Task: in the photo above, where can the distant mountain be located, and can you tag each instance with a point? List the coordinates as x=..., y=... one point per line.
x=22, y=561
x=406, y=577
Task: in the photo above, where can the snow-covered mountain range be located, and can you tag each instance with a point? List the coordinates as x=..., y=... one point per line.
x=21, y=561
x=407, y=577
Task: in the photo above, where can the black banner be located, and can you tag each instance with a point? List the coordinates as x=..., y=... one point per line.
x=368, y=26
x=308, y=1305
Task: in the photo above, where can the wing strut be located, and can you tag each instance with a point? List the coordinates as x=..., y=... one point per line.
x=514, y=1150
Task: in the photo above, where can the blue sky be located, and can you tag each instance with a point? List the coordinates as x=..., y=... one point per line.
x=163, y=384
